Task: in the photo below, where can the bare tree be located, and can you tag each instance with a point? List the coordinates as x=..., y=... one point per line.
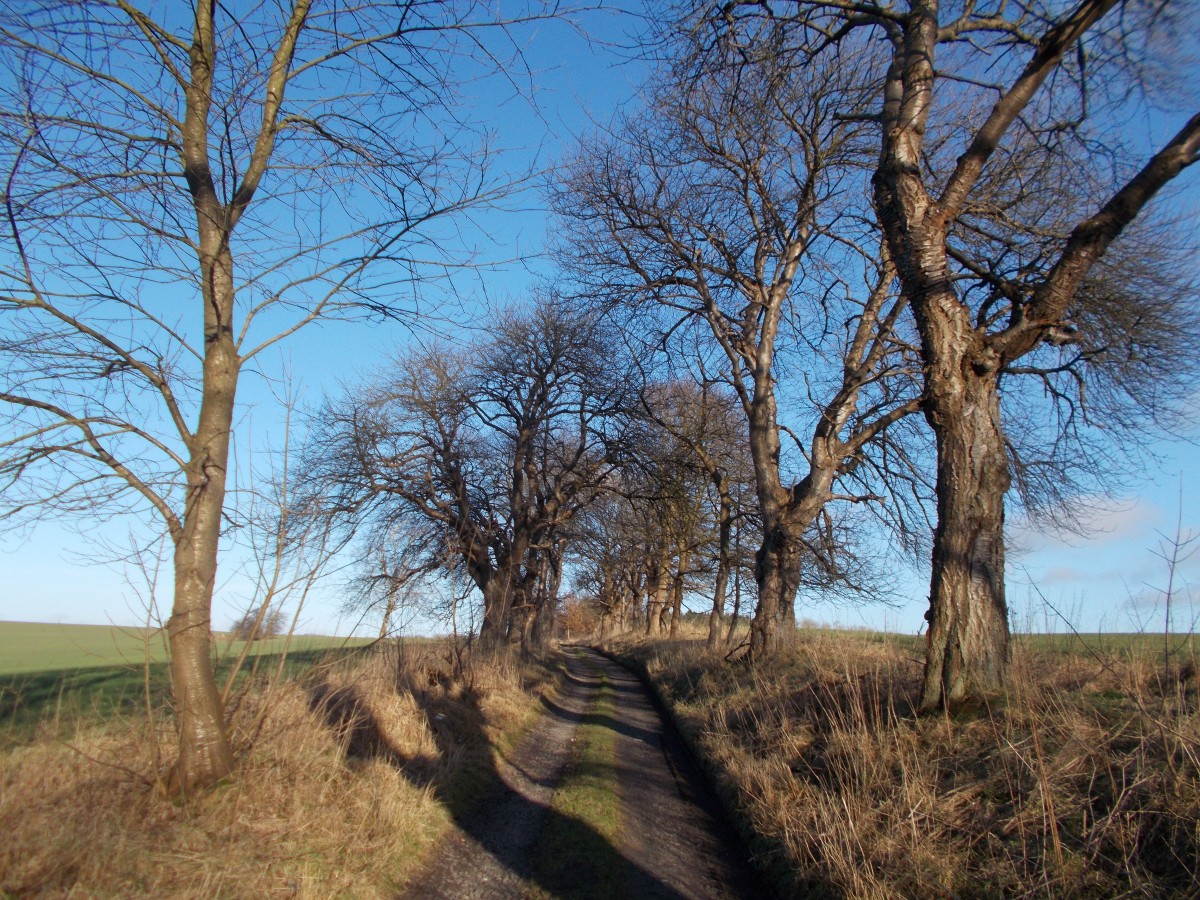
x=733, y=206
x=258, y=623
x=181, y=193
x=1000, y=180
x=704, y=420
x=496, y=448
x=399, y=560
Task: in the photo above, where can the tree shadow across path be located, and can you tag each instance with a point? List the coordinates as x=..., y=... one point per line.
x=496, y=851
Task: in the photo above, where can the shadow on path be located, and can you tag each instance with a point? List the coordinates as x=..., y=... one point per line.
x=501, y=823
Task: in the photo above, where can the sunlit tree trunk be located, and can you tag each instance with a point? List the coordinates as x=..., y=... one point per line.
x=205, y=755
x=777, y=569
x=964, y=355
x=967, y=650
x=677, y=592
x=724, y=531
x=493, y=631
x=656, y=597
x=549, y=580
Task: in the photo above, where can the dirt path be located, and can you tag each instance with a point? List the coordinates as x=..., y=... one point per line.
x=670, y=843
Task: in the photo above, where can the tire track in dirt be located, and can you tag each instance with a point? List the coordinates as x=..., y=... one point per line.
x=675, y=831
x=673, y=842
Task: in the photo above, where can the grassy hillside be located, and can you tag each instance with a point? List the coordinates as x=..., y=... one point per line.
x=38, y=647
x=76, y=674
x=41, y=647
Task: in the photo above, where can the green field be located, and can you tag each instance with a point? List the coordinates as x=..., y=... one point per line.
x=69, y=674
x=39, y=647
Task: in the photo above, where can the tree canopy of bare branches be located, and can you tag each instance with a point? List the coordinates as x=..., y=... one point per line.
x=1002, y=174
x=185, y=187
x=490, y=451
x=736, y=208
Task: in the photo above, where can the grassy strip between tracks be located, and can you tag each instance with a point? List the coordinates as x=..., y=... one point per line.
x=579, y=854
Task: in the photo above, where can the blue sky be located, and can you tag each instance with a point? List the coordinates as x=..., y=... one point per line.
x=1106, y=580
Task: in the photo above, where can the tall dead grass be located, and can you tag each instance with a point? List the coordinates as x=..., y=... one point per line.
x=344, y=779
x=1084, y=781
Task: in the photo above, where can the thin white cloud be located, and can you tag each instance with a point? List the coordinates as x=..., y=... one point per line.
x=1069, y=575
x=1102, y=521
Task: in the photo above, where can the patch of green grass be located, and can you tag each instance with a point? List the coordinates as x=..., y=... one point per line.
x=62, y=676
x=41, y=647
x=44, y=647
x=578, y=855
x=65, y=697
x=1125, y=645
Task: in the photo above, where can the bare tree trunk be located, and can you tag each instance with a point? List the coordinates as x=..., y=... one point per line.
x=549, y=580
x=638, y=602
x=677, y=592
x=205, y=756
x=725, y=528
x=389, y=610
x=777, y=571
x=737, y=584
x=493, y=632
x=521, y=624
x=656, y=600
x=967, y=651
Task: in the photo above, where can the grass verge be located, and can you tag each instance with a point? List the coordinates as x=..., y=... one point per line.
x=1083, y=781
x=344, y=780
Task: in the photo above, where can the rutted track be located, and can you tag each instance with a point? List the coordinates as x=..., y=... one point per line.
x=672, y=843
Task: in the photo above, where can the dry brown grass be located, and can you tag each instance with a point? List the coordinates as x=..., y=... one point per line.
x=1084, y=781
x=344, y=779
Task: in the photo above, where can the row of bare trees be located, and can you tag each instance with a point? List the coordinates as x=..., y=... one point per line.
x=671, y=523
x=487, y=452
x=874, y=210
x=891, y=256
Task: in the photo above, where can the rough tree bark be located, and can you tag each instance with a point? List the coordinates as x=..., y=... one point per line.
x=967, y=642
x=656, y=597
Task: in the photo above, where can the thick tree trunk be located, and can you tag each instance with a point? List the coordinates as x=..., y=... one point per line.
x=546, y=616
x=638, y=603
x=497, y=597
x=205, y=756
x=968, y=641
x=656, y=599
x=521, y=626
x=777, y=571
